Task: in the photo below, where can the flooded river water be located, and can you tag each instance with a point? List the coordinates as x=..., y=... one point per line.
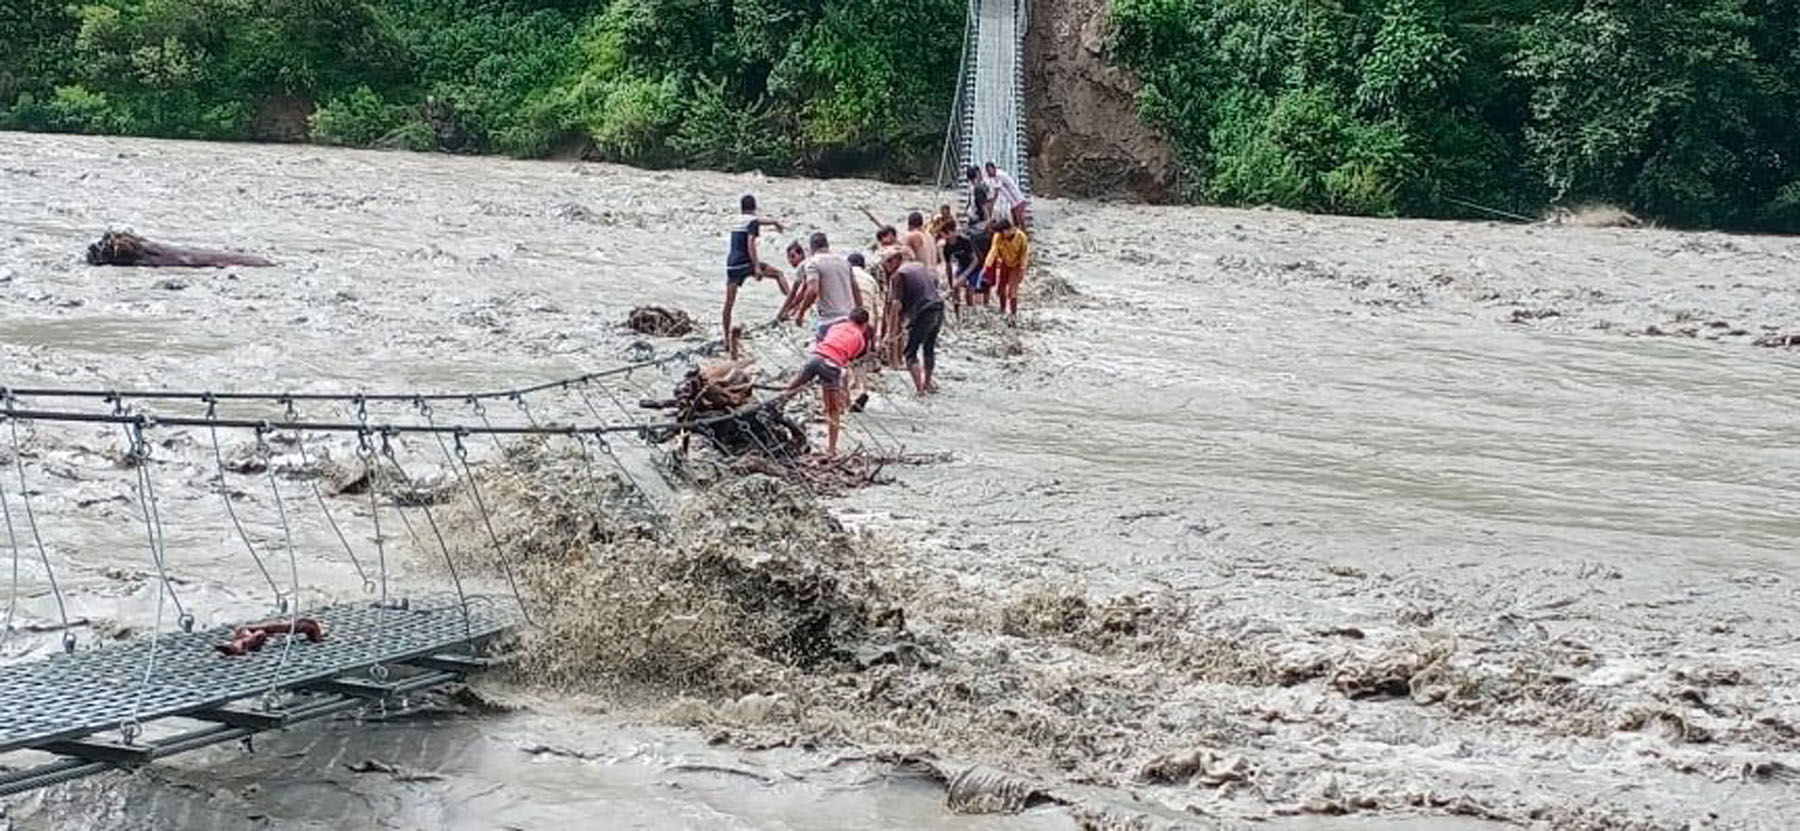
x=1541, y=475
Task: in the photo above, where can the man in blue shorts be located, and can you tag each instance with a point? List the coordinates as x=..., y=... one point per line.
x=742, y=262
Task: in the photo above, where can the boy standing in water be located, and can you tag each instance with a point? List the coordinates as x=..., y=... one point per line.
x=1007, y=258
x=831, y=357
x=959, y=261
x=742, y=262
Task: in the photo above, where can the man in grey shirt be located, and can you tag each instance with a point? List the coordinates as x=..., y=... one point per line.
x=825, y=279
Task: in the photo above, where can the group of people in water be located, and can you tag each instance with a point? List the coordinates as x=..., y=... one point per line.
x=886, y=306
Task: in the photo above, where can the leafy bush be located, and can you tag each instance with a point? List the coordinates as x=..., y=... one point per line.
x=362, y=118
x=1443, y=107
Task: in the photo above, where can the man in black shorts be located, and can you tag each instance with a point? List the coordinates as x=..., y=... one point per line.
x=913, y=297
x=742, y=262
x=981, y=198
x=959, y=259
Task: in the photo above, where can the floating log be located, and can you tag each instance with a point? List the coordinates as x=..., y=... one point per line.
x=127, y=249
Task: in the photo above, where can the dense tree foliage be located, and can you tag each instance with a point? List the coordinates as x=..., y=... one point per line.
x=785, y=84
x=1684, y=111
x=1681, y=110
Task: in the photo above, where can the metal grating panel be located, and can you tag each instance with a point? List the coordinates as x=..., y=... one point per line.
x=67, y=696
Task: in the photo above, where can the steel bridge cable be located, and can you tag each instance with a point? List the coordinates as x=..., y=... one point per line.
x=137, y=456
x=231, y=511
x=365, y=455
x=459, y=465
x=629, y=417
x=140, y=459
x=37, y=539
x=644, y=499
x=462, y=599
x=330, y=520
x=708, y=348
x=12, y=592
x=287, y=535
x=343, y=427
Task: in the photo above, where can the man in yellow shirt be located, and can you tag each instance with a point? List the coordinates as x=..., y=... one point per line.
x=1007, y=259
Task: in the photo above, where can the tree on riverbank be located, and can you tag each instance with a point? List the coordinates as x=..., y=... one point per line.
x=812, y=85
x=1682, y=111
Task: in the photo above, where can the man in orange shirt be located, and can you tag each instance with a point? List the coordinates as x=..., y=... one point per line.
x=829, y=364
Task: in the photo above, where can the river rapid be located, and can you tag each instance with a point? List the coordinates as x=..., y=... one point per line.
x=1258, y=518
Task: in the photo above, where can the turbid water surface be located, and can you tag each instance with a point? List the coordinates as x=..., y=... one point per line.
x=1544, y=469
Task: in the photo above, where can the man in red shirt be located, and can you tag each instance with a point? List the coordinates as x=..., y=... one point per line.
x=830, y=362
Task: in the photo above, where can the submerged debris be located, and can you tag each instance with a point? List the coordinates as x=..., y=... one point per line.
x=128, y=249
x=754, y=579
x=660, y=321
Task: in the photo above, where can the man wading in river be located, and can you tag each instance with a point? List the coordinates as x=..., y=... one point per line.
x=913, y=298
x=742, y=262
x=1007, y=258
x=825, y=279
x=831, y=357
x=1008, y=194
x=981, y=198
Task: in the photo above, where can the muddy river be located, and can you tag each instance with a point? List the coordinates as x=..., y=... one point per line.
x=1257, y=518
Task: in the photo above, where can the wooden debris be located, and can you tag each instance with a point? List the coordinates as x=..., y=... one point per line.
x=127, y=249
x=717, y=391
x=660, y=321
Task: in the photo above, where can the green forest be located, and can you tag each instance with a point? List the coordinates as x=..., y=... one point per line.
x=781, y=85
x=1684, y=112
x=1681, y=110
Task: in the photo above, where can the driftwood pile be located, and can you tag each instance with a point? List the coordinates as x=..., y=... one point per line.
x=660, y=321
x=128, y=249
x=711, y=394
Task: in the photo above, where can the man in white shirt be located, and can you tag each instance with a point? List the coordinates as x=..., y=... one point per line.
x=1008, y=194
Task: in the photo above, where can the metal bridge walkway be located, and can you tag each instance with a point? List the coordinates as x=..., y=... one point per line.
x=97, y=709
x=988, y=118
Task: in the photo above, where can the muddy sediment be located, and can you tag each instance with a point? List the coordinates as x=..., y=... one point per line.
x=768, y=624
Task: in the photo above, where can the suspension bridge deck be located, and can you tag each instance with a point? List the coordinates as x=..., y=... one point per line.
x=988, y=117
x=88, y=707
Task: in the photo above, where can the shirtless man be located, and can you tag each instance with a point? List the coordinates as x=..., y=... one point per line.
x=742, y=263
x=886, y=237
x=924, y=249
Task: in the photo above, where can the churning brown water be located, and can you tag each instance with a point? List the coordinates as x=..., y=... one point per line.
x=1258, y=517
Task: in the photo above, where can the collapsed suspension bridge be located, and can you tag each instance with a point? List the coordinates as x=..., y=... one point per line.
x=178, y=688
x=121, y=705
